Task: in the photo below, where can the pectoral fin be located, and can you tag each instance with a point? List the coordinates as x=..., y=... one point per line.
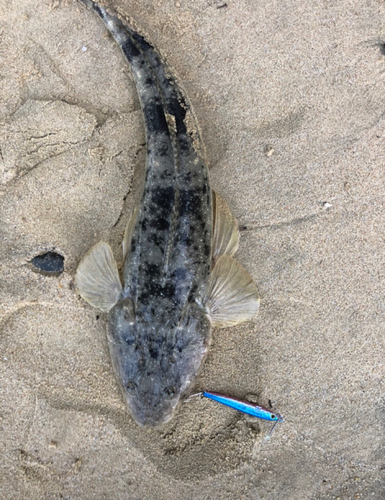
x=231, y=296
x=226, y=234
x=128, y=232
x=97, y=277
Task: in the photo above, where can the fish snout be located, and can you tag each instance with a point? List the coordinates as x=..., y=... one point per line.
x=151, y=410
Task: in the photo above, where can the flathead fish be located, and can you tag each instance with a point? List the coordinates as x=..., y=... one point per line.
x=180, y=277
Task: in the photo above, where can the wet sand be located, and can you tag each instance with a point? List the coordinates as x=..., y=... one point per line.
x=289, y=97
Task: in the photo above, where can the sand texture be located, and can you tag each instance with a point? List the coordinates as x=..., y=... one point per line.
x=290, y=99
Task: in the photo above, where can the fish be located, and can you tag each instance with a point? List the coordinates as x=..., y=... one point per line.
x=180, y=278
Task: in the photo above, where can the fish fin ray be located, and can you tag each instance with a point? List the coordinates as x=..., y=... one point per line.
x=226, y=233
x=97, y=277
x=231, y=295
x=129, y=231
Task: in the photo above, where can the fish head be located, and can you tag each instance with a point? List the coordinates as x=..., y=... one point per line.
x=154, y=359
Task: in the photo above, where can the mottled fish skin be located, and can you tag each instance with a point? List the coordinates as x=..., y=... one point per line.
x=159, y=329
x=180, y=275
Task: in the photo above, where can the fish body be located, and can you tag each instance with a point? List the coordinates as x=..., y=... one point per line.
x=179, y=276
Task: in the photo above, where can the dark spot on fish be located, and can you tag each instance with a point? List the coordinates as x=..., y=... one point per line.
x=169, y=391
x=152, y=269
x=152, y=289
x=162, y=149
x=130, y=339
x=163, y=197
x=165, y=175
x=206, y=250
x=183, y=143
x=131, y=386
x=160, y=223
x=144, y=224
x=98, y=10
x=155, y=118
x=186, y=240
x=49, y=263
x=130, y=50
x=154, y=352
x=169, y=290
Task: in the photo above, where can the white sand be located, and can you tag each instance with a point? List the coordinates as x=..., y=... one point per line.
x=290, y=98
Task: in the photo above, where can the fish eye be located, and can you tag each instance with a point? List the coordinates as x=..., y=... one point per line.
x=273, y=417
x=128, y=310
x=127, y=316
x=170, y=391
x=131, y=386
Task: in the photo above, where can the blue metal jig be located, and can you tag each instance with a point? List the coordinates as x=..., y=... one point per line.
x=245, y=407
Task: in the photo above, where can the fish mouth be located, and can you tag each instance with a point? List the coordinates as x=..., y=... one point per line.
x=152, y=420
x=150, y=416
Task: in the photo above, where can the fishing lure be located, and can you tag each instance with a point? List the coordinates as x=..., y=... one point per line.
x=245, y=407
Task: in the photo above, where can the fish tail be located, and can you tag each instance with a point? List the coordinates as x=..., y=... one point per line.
x=146, y=82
